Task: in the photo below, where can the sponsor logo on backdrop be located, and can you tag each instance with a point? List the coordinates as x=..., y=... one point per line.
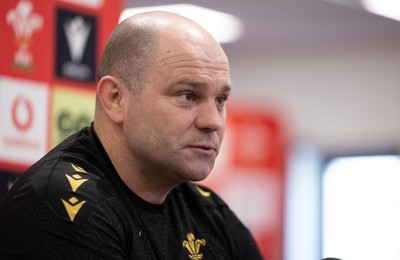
x=68, y=123
x=24, y=22
x=24, y=119
x=76, y=46
x=22, y=113
x=73, y=109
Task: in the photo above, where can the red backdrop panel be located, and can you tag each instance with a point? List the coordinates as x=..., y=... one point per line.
x=250, y=174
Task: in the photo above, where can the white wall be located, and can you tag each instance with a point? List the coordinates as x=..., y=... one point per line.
x=334, y=97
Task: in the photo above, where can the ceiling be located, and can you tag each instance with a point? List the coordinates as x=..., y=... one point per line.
x=279, y=25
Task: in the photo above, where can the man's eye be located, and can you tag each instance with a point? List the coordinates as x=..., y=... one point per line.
x=221, y=100
x=187, y=96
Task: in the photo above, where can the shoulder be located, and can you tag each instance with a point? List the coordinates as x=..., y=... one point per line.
x=200, y=195
x=70, y=190
x=199, y=198
x=67, y=180
x=70, y=178
x=69, y=207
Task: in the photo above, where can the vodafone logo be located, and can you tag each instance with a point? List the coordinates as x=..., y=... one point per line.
x=24, y=106
x=22, y=113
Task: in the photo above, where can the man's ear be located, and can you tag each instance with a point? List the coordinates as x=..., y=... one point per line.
x=110, y=93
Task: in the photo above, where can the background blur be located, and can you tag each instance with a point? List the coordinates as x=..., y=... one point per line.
x=322, y=78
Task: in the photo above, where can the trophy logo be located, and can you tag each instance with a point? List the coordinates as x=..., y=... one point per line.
x=77, y=32
x=76, y=46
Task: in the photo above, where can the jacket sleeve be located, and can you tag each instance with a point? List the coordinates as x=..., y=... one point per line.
x=64, y=216
x=244, y=243
x=32, y=230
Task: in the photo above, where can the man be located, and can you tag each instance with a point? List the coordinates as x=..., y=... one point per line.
x=122, y=188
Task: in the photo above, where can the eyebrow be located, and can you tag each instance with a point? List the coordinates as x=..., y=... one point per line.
x=198, y=84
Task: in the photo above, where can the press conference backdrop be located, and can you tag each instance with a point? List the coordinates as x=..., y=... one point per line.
x=49, y=53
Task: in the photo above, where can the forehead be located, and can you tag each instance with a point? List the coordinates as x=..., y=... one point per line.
x=191, y=57
x=185, y=51
x=175, y=68
x=199, y=59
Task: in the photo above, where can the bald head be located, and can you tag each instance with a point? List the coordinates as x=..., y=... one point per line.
x=132, y=46
x=128, y=51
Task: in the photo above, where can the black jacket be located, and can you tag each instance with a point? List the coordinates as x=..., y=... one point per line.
x=72, y=204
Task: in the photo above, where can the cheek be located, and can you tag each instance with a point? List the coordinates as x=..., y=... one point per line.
x=161, y=124
x=171, y=127
x=170, y=119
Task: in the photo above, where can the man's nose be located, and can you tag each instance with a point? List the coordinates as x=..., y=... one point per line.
x=210, y=117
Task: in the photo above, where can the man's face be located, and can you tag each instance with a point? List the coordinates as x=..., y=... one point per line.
x=175, y=125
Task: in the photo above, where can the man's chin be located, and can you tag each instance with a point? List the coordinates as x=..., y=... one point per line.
x=198, y=175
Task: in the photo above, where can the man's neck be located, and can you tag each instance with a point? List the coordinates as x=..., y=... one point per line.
x=147, y=185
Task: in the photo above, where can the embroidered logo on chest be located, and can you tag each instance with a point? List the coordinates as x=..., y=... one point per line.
x=193, y=246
